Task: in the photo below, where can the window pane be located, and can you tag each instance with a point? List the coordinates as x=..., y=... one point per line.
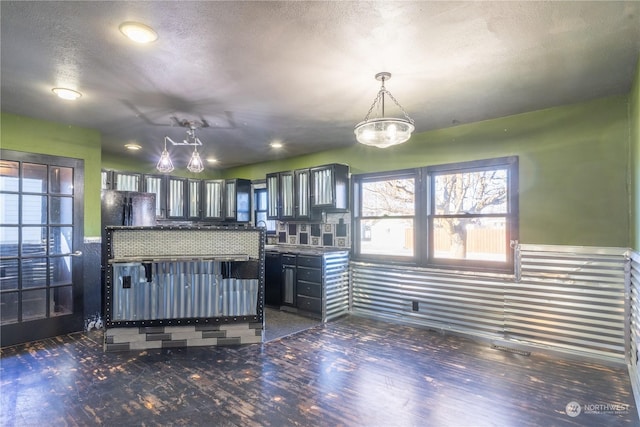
x=60, y=270
x=9, y=312
x=261, y=199
x=471, y=192
x=387, y=237
x=61, y=180
x=34, y=272
x=471, y=239
x=61, y=240
x=34, y=209
x=34, y=241
x=8, y=241
x=9, y=176
x=9, y=211
x=61, y=301
x=8, y=275
x=61, y=210
x=34, y=304
x=34, y=178
x=392, y=197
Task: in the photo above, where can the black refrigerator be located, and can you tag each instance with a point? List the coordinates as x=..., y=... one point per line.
x=124, y=208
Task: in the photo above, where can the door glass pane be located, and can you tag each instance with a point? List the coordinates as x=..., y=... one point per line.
x=194, y=199
x=127, y=182
x=61, y=180
x=9, y=211
x=230, y=207
x=34, y=209
x=286, y=181
x=60, y=270
x=61, y=300
x=154, y=185
x=8, y=275
x=272, y=193
x=34, y=178
x=34, y=304
x=323, y=187
x=9, y=176
x=34, y=241
x=213, y=199
x=60, y=240
x=9, y=312
x=303, y=193
x=8, y=241
x=34, y=272
x=176, y=198
x=61, y=210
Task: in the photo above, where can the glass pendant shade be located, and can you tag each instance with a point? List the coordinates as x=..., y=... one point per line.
x=195, y=163
x=384, y=131
x=165, y=165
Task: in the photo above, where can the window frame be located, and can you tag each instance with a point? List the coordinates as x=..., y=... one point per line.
x=424, y=215
x=358, y=180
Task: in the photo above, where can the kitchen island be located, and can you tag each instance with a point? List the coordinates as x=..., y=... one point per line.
x=183, y=286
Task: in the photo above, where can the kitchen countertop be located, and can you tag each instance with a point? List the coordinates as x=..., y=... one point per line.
x=303, y=250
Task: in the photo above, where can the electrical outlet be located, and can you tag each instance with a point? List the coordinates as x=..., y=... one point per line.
x=126, y=282
x=414, y=305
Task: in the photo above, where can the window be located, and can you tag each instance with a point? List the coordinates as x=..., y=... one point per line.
x=461, y=215
x=385, y=222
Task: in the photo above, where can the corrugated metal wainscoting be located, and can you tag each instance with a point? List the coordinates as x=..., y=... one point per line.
x=336, y=285
x=570, y=299
x=634, y=321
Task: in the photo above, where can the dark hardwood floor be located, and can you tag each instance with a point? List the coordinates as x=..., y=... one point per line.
x=352, y=372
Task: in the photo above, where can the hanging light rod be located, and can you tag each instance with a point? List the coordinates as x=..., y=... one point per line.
x=384, y=131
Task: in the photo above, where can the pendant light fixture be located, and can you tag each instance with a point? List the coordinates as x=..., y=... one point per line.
x=195, y=164
x=384, y=131
x=165, y=165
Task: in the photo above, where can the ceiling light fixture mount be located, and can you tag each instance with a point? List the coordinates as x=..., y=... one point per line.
x=384, y=131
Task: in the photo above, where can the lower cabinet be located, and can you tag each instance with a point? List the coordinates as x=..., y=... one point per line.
x=311, y=285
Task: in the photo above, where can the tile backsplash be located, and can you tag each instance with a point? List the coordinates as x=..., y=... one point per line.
x=334, y=232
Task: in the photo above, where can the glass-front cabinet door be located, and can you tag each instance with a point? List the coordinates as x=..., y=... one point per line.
x=194, y=199
x=287, y=195
x=212, y=200
x=329, y=186
x=156, y=184
x=126, y=181
x=273, y=196
x=302, y=194
x=176, y=197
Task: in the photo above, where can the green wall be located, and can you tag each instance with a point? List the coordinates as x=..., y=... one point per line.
x=573, y=167
x=37, y=136
x=634, y=159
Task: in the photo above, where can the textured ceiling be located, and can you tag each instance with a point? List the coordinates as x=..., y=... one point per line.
x=303, y=72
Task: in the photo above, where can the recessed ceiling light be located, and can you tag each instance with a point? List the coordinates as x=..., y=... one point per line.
x=276, y=144
x=138, y=32
x=132, y=147
x=212, y=160
x=65, y=93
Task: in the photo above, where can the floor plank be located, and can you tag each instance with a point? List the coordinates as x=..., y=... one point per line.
x=352, y=372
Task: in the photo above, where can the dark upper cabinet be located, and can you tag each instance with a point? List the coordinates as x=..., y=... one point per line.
x=329, y=187
x=176, y=197
x=289, y=195
x=237, y=200
x=194, y=199
x=157, y=184
x=213, y=199
x=273, y=196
